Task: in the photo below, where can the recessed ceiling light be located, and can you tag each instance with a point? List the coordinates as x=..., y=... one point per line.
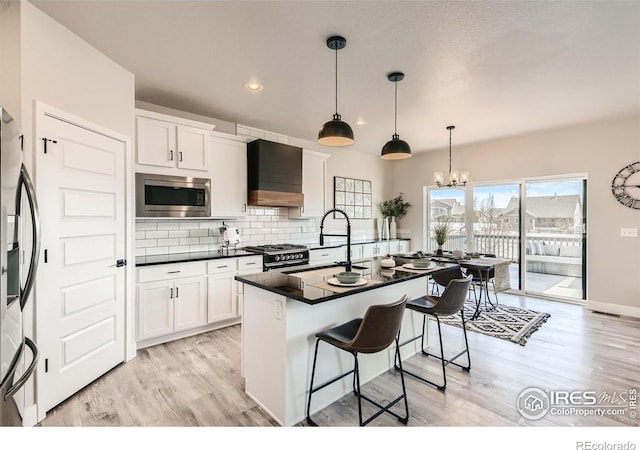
x=361, y=122
x=253, y=87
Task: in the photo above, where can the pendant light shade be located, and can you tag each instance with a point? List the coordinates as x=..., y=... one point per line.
x=396, y=148
x=336, y=133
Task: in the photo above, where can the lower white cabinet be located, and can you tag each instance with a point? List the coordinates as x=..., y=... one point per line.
x=168, y=306
x=325, y=255
x=178, y=297
x=223, y=294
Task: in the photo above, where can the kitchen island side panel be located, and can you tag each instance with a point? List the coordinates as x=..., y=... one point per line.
x=263, y=349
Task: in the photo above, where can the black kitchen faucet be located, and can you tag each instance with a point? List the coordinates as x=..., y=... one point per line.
x=348, y=235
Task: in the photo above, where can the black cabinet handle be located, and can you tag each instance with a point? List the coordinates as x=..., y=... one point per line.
x=170, y=155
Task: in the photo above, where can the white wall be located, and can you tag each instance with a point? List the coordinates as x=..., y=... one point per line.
x=58, y=68
x=10, y=58
x=598, y=149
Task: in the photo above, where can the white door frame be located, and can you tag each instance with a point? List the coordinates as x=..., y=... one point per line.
x=41, y=111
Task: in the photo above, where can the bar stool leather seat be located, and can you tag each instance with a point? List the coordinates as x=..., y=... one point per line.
x=449, y=303
x=379, y=328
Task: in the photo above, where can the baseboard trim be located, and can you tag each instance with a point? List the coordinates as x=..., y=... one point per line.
x=612, y=308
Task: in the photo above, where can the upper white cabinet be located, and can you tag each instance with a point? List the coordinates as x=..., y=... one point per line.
x=228, y=177
x=314, y=186
x=163, y=141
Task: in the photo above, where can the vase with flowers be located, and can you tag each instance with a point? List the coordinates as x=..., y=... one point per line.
x=394, y=209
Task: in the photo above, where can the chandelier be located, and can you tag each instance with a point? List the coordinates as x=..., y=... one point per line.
x=456, y=177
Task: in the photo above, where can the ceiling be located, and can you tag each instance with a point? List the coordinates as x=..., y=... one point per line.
x=491, y=68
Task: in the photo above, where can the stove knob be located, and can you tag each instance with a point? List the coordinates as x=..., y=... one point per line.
x=277, y=258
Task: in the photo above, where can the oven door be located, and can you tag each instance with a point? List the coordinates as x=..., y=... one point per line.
x=171, y=196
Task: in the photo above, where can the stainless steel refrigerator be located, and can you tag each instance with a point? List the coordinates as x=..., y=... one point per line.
x=20, y=233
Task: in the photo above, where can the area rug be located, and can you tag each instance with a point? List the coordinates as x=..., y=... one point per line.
x=505, y=322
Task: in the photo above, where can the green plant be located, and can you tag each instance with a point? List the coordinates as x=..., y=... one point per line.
x=441, y=232
x=396, y=207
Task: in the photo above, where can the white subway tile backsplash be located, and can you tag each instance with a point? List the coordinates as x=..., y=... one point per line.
x=168, y=242
x=157, y=234
x=143, y=226
x=168, y=225
x=178, y=233
x=260, y=226
x=146, y=243
x=157, y=251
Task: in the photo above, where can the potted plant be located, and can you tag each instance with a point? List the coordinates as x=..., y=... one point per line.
x=396, y=208
x=441, y=230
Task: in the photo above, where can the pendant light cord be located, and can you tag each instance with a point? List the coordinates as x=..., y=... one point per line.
x=449, y=153
x=336, y=50
x=395, y=114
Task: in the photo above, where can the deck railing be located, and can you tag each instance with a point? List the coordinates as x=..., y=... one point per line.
x=503, y=245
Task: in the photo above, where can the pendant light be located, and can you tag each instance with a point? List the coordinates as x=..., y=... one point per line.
x=336, y=133
x=396, y=148
x=456, y=178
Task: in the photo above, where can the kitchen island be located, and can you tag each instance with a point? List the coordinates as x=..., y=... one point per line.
x=282, y=312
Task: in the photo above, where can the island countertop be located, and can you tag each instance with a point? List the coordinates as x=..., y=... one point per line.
x=308, y=284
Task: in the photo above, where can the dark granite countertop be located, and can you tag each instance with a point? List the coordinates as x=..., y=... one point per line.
x=297, y=283
x=188, y=257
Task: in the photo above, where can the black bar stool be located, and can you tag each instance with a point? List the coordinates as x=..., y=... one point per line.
x=374, y=333
x=449, y=303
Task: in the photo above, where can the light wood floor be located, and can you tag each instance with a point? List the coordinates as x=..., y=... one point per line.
x=196, y=381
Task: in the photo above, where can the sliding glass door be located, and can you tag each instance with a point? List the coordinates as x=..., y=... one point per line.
x=539, y=225
x=554, y=238
x=496, y=224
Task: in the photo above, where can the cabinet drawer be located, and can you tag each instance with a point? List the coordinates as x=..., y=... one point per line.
x=171, y=271
x=222, y=265
x=251, y=262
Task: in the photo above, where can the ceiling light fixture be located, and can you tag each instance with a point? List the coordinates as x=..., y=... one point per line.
x=336, y=133
x=253, y=87
x=456, y=178
x=396, y=148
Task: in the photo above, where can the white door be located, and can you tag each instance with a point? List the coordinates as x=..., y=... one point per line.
x=156, y=142
x=229, y=177
x=80, y=293
x=223, y=298
x=190, y=303
x=193, y=148
x=155, y=309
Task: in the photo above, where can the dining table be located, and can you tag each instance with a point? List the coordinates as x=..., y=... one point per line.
x=484, y=267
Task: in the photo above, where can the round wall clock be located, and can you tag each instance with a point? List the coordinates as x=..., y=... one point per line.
x=626, y=186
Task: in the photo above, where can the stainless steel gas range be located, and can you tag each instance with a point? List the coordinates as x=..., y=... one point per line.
x=281, y=256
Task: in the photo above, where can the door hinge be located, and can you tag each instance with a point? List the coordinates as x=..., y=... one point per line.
x=121, y=262
x=46, y=255
x=46, y=365
x=45, y=143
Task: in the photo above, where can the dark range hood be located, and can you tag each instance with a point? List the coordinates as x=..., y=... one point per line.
x=274, y=174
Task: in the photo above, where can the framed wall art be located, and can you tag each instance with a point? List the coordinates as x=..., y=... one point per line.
x=353, y=197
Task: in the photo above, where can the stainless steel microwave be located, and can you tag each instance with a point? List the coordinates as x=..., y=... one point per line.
x=172, y=196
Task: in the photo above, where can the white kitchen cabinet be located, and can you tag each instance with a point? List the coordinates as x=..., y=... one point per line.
x=155, y=309
x=225, y=293
x=228, y=178
x=178, y=143
x=168, y=306
x=381, y=248
x=356, y=252
x=314, y=186
x=397, y=247
x=171, y=298
x=325, y=255
x=223, y=298
x=190, y=300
